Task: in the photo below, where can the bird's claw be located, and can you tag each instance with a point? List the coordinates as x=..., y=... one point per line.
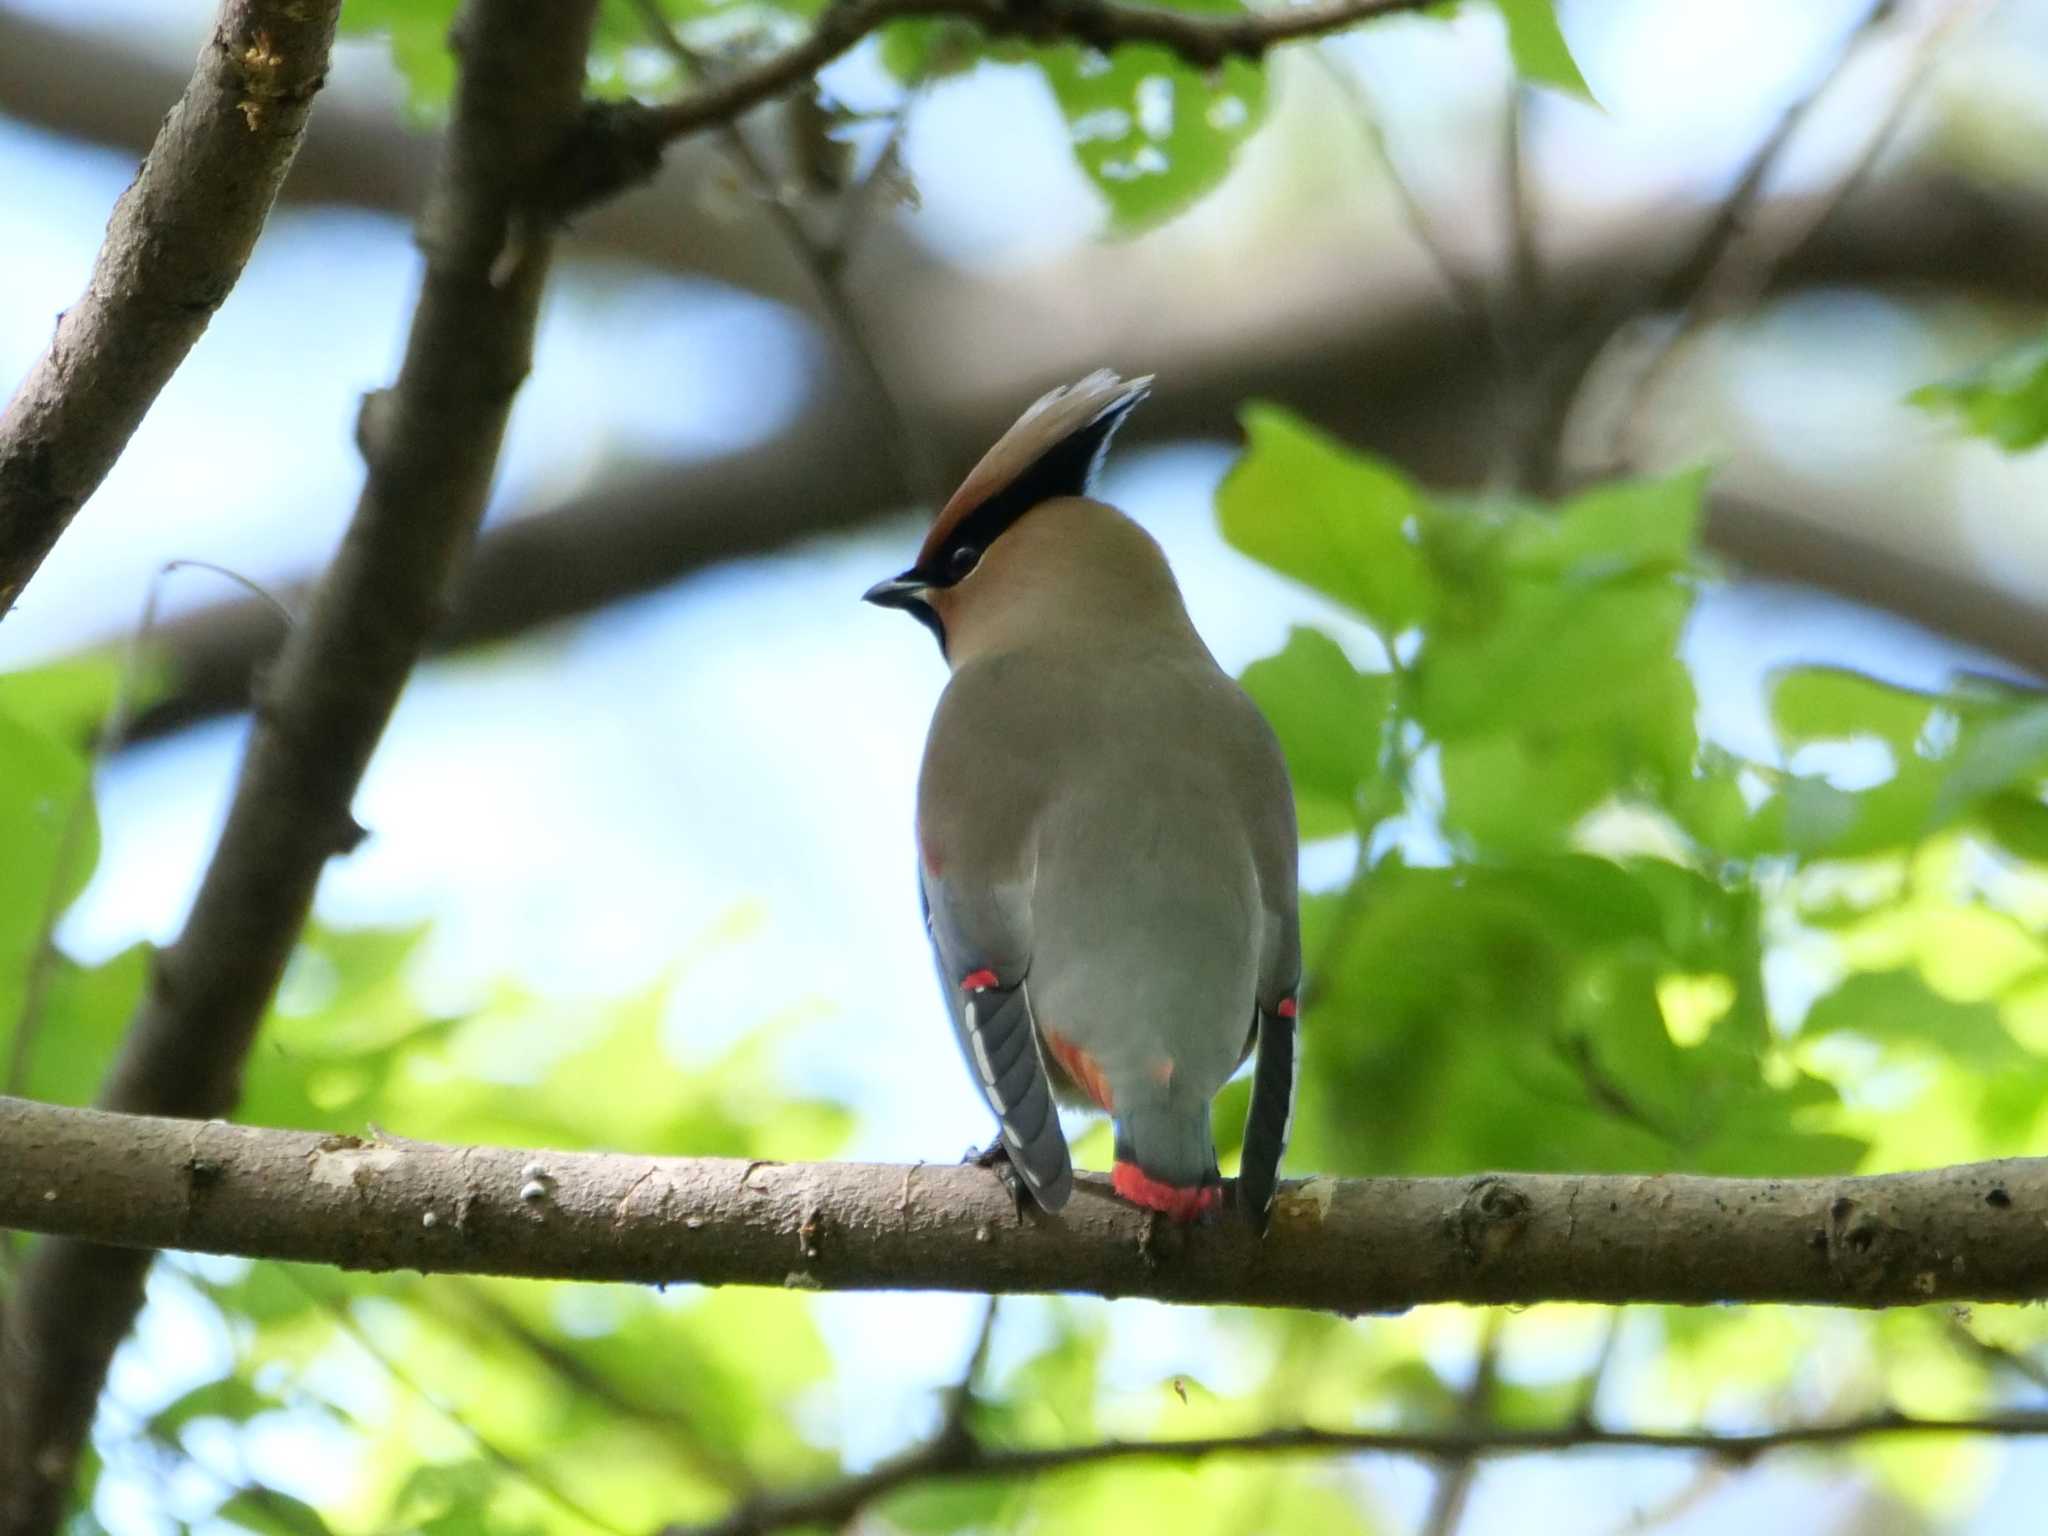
x=996, y=1157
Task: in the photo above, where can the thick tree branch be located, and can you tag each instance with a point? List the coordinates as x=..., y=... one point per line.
x=177, y=242
x=431, y=443
x=1970, y=1232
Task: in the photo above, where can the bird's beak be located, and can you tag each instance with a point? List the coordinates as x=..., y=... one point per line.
x=897, y=592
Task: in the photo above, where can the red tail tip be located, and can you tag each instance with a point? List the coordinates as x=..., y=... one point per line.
x=1182, y=1204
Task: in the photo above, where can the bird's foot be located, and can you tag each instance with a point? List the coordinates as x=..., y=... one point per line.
x=996, y=1157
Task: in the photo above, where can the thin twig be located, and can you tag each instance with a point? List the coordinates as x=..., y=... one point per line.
x=689, y=1446
x=1588, y=1409
x=1467, y=291
x=623, y=144
x=1573, y=357
x=2024, y=1366
x=1734, y=265
x=837, y=1502
x=1475, y=1407
x=507, y=1463
x=113, y=733
x=824, y=265
x=1708, y=1476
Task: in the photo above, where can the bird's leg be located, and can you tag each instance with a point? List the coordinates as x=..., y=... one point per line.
x=996, y=1156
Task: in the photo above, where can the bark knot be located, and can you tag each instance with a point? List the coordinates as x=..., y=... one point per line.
x=1489, y=1220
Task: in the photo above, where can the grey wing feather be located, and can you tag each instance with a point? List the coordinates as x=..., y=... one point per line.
x=999, y=1039
x=1270, y=1118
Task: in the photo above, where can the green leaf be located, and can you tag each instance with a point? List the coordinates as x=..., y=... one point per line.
x=1810, y=704
x=1623, y=528
x=1536, y=43
x=229, y=1397
x=1341, y=522
x=70, y=699
x=271, y=1513
x=417, y=31
x=1332, y=721
x=1532, y=988
x=2006, y=400
x=1152, y=133
x=1899, y=1008
x=2019, y=823
x=1547, y=658
x=932, y=1508
x=84, y=1015
x=921, y=48
x=2006, y=753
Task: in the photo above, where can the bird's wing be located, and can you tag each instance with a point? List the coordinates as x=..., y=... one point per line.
x=983, y=958
x=1271, y=1116
x=1269, y=809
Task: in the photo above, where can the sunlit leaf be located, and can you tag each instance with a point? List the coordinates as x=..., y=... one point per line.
x=2006, y=400
x=1336, y=520
x=1332, y=721
x=1899, y=1008
x=1538, y=46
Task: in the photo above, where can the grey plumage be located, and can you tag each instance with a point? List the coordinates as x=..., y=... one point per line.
x=1107, y=839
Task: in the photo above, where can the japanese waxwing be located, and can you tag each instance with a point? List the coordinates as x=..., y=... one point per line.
x=1105, y=828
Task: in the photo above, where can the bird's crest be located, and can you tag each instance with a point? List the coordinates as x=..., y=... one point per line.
x=1054, y=449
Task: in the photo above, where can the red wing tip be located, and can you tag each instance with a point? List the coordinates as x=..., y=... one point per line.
x=1287, y=1008
x=977, y=981
x=1174, y=1200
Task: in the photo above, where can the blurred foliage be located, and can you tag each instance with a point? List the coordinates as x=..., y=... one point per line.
x=2006, y=400
x=1579, y=935
x=1151, y=133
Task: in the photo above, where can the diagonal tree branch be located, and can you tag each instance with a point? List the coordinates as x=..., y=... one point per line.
x=431, y=443
x=178, y=240
x=824, y=265
x=1969, y=1232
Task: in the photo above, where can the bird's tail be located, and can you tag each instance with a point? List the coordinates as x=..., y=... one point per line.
x=1166, y=1159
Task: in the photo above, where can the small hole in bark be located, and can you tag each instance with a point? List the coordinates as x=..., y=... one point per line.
x=1998, y=1198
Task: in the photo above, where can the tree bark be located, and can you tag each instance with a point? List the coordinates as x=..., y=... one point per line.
x=1966, y=1233
x=175, y=246
x=432, y=443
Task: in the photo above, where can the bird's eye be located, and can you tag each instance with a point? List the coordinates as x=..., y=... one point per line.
x=962, y=561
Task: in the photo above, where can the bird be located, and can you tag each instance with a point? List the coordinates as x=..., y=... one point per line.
x=1106, y=832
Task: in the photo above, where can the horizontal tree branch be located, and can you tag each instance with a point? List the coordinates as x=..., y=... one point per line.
x=178, y=239
x=623, y=142
x=1971, y=1232
x=966, y=1459
x=1399, y=373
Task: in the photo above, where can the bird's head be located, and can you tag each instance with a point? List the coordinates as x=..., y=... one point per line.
x=977, y=556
